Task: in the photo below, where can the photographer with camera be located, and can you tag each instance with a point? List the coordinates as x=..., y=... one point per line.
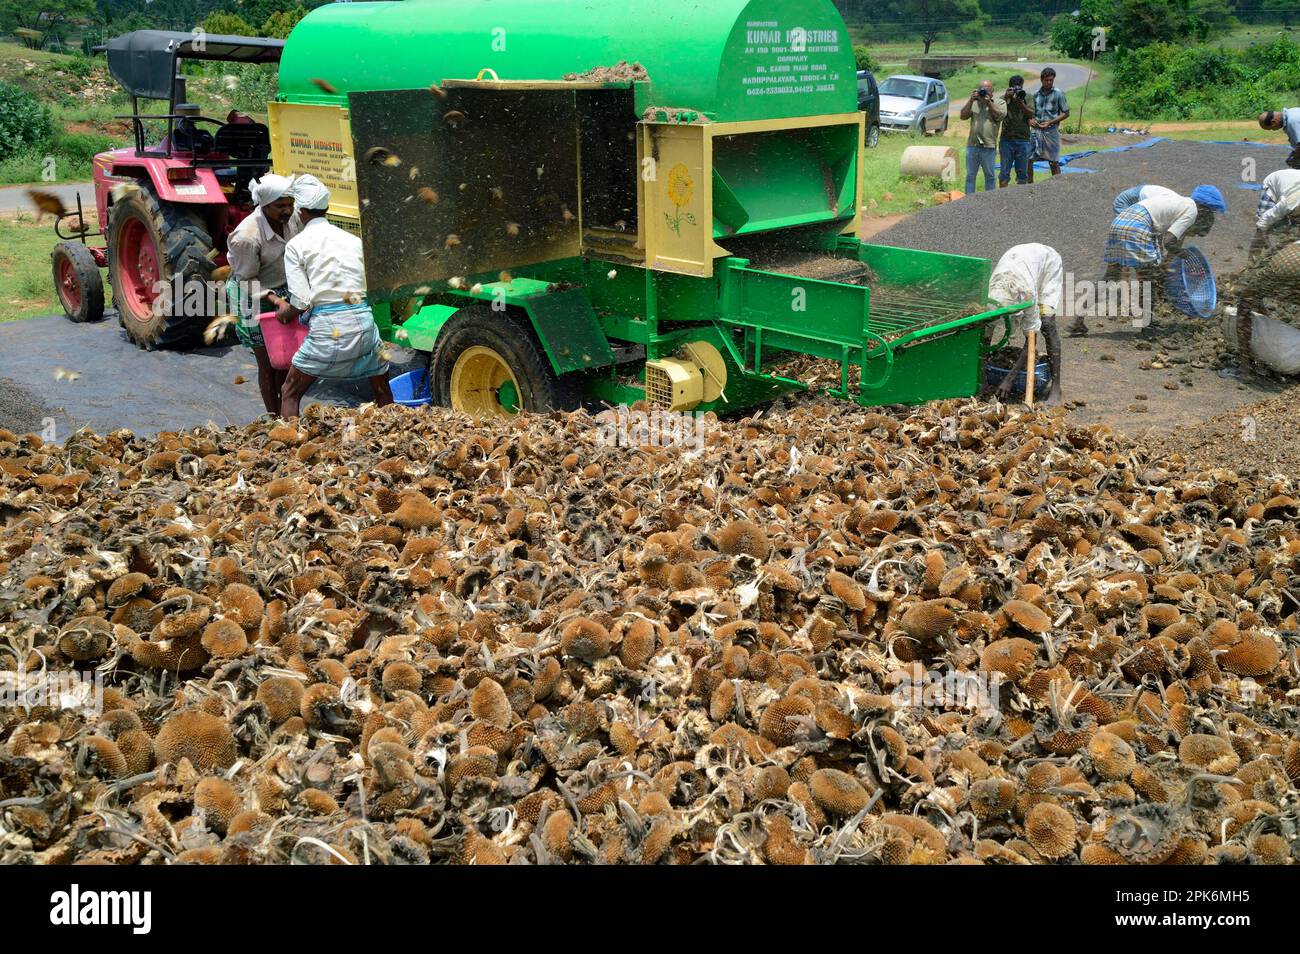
x=1016, y=144
x=982, y=143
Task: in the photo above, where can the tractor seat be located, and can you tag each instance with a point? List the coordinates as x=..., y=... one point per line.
x=247, y=141
x=186, y=137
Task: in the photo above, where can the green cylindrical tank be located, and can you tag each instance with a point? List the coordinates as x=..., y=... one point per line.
x=732, y=59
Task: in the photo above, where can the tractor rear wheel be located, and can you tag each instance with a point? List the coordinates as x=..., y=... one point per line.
x=488, y=363
x=155, y=252
x=78, y=282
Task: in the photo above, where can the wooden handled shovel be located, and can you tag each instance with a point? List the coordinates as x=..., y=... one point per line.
x=1031, y=366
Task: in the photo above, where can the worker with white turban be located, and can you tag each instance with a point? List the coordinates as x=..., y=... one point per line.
x=255, y=253
x=327, y=292
x=310, y=193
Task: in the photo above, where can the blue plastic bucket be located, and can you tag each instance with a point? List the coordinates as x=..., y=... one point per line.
x=994, y=376
x=1189, y=283
x=411, y=389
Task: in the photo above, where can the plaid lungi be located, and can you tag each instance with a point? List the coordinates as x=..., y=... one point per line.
x=1133, y=242
x=1266, y=202
x=342, y=342
x=247, y=327
x=1047, y=144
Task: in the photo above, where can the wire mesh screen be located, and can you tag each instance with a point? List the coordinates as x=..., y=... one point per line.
x=897, y=310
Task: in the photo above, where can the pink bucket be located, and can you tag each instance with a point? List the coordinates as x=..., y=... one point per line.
x=282, y=341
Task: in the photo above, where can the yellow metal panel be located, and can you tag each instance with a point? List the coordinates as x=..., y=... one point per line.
x=678, y=185
x=316, y=140
x=795, y=122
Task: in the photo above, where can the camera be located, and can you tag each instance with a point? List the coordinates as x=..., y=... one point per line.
x=982, y=93
x=1017, y=92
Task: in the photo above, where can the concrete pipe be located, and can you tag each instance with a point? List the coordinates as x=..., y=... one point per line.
x=929, y=162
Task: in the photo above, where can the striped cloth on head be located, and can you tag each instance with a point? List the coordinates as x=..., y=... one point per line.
x=342, y=342
x=1133, y=241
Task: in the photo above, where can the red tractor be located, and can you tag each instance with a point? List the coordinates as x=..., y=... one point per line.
x=165, y=207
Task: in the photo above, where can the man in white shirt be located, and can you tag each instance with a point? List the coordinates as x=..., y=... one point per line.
x=1288, y=120
x=255, y=253
x=1032, y=273
x=327, y=285
x=1136, y=194
x=1142, y=236
x=1279, y=206
x=1273, y=272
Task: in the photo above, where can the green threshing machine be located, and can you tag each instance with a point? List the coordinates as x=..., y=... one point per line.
x=553, y=226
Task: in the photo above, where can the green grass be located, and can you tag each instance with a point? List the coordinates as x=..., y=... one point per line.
x=890, y=191
x=962, y=82
x=26, y=284
x=13, y=55
x=1098, y=111
x=1220, y=133
x=996, y=40
x=84, y=101
x=1245, y=36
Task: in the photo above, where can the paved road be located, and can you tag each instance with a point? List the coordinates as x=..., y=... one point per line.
x=14, y=198
x=122, y=386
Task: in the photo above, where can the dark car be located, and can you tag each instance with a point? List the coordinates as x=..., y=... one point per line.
x=869, y=103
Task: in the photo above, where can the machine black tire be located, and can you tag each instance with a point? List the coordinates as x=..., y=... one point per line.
x=513, y=339
x=77, y=281
x=921, y=129
x=873, y=136
x=182, y=246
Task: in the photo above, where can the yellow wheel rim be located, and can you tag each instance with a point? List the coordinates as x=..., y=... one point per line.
x=483, y=385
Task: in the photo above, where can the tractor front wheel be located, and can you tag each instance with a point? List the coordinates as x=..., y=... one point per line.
x=78, y=282
x=490, y=364
x=156, y=254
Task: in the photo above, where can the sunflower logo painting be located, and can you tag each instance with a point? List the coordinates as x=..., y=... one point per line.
x=681, y=188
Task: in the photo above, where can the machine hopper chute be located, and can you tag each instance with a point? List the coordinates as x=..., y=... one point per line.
x=487, y=180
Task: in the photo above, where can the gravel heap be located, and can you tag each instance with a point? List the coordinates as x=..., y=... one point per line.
x=955, y=634
x=1257, y=439
x=20, y=410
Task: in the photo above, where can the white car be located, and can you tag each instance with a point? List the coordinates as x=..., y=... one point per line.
x=915, y=104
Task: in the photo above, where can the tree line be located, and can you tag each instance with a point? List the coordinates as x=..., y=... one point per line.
x=63, y=24
x=1070, y=23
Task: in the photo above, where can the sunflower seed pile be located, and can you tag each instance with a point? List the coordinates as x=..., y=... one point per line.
x=956, y=634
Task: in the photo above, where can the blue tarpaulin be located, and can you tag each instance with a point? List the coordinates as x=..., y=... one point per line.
x=1068, y=159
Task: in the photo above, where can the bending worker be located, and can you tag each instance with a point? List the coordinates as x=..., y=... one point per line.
x=1288, y=120
x=1274, y=269
x=327, y=285
x=255, y=251
x=1142, y=236
x=1032, y=273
